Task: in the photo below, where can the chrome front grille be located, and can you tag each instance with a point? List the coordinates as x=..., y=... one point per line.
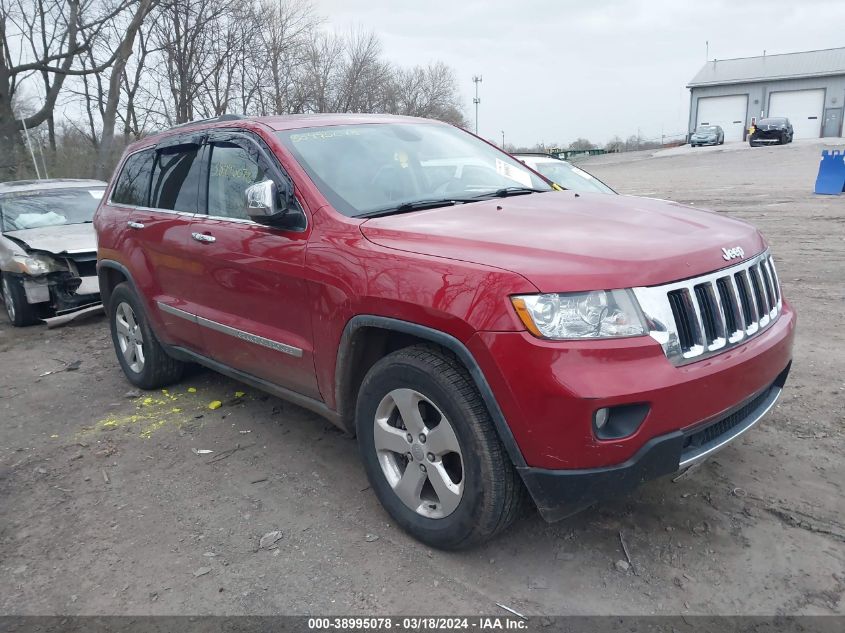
x=703, y=316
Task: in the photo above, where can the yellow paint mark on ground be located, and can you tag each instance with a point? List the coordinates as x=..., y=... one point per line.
x=151, y=414
x=239, y=394
x=215, y=404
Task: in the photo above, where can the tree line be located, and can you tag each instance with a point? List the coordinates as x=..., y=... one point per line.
x=80, y=79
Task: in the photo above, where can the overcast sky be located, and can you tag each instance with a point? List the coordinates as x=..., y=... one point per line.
x=555, y=70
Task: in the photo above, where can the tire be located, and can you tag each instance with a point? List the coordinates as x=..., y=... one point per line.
x=783, y=139
x=139, y=353
x=752, y=144
x=20, y=312
x=486, y=493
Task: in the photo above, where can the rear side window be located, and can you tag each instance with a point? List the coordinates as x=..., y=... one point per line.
x=176, y=178
x=133, y=183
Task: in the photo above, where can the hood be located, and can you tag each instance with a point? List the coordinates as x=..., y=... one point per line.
x=562, y=241
x=62, y=238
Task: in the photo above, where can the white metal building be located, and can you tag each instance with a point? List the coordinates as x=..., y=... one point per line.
x=808, y=88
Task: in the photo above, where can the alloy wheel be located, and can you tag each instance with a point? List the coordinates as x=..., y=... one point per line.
x=419, y=453
x=129, y=337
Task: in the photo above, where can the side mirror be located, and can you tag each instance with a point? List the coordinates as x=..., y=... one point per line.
x=265, y=206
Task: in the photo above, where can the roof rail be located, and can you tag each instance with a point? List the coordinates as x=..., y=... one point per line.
x=216, y=119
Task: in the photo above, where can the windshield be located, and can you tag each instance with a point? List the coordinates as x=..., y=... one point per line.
x=369, y=168
x=571, y=177
x=49, y=207
x=706, y=129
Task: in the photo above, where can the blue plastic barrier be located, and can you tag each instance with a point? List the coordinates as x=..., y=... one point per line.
x=831, y=178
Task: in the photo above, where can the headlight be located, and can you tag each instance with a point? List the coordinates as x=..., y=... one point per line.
x=577, y=315
x=35, y=265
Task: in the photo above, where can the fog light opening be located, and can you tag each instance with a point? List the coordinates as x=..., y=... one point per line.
x=614, y=423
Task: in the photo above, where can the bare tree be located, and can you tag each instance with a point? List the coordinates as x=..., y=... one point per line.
x=287, y=34
x=127, y=67
x=581, y=144
x=65, y=29
x=428, y=91
x=321, y=76
x=364, y=78
x=616, y=144
x=186, y=31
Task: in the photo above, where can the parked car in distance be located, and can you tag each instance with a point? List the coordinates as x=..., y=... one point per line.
x=769, y=131
x=488, y=339
x=564, y=173
x=48, y=250
x=707, y=135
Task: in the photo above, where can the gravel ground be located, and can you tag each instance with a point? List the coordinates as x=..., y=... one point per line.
x=106, y=508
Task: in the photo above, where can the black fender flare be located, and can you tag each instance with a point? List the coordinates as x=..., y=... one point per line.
x=105, y=264
x=440, y=338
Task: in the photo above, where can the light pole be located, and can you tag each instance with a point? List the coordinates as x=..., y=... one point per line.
x=476, y=80
x=503, y=139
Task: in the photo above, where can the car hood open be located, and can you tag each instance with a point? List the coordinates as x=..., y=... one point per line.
x=562, y=241
x=59, y=239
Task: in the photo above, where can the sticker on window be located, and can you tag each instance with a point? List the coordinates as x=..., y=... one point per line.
x=97, y=194
x=514, y=173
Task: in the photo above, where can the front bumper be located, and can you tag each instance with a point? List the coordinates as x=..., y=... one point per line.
x=562, y=493
x=62, y=291
x=549, y=391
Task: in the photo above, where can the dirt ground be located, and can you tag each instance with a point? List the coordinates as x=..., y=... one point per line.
x=106, y=509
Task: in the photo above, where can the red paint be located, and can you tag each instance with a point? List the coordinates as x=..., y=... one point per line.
x=453, y=270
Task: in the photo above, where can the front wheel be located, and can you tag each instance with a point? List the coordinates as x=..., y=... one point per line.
x=139, y=353
x=431, y=452
x=18, y=309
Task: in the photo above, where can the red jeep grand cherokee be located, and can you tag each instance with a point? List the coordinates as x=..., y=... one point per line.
x=485, y=337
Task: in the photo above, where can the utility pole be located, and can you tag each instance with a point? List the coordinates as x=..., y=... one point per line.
x=707, y=53
x=503, y=139
x=476, y=80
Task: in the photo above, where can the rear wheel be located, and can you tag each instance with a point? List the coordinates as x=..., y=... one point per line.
x=431, y=452
x=139, y=353
x=20, y=312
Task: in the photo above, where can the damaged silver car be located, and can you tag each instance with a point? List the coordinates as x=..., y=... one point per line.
x=48, y=249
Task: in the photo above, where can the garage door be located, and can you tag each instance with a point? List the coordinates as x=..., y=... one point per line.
x=729, y=112
x=804, y=108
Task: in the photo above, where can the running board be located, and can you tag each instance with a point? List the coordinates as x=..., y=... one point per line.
x=306, y=402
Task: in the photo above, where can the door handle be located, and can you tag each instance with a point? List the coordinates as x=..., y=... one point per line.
x=204, y=238
x=134, y=225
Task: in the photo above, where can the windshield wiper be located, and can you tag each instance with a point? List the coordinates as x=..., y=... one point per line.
x=509, y=191
x=418, y=205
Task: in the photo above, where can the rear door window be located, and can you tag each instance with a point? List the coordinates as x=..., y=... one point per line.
x=176, y=179
x=133, y=183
